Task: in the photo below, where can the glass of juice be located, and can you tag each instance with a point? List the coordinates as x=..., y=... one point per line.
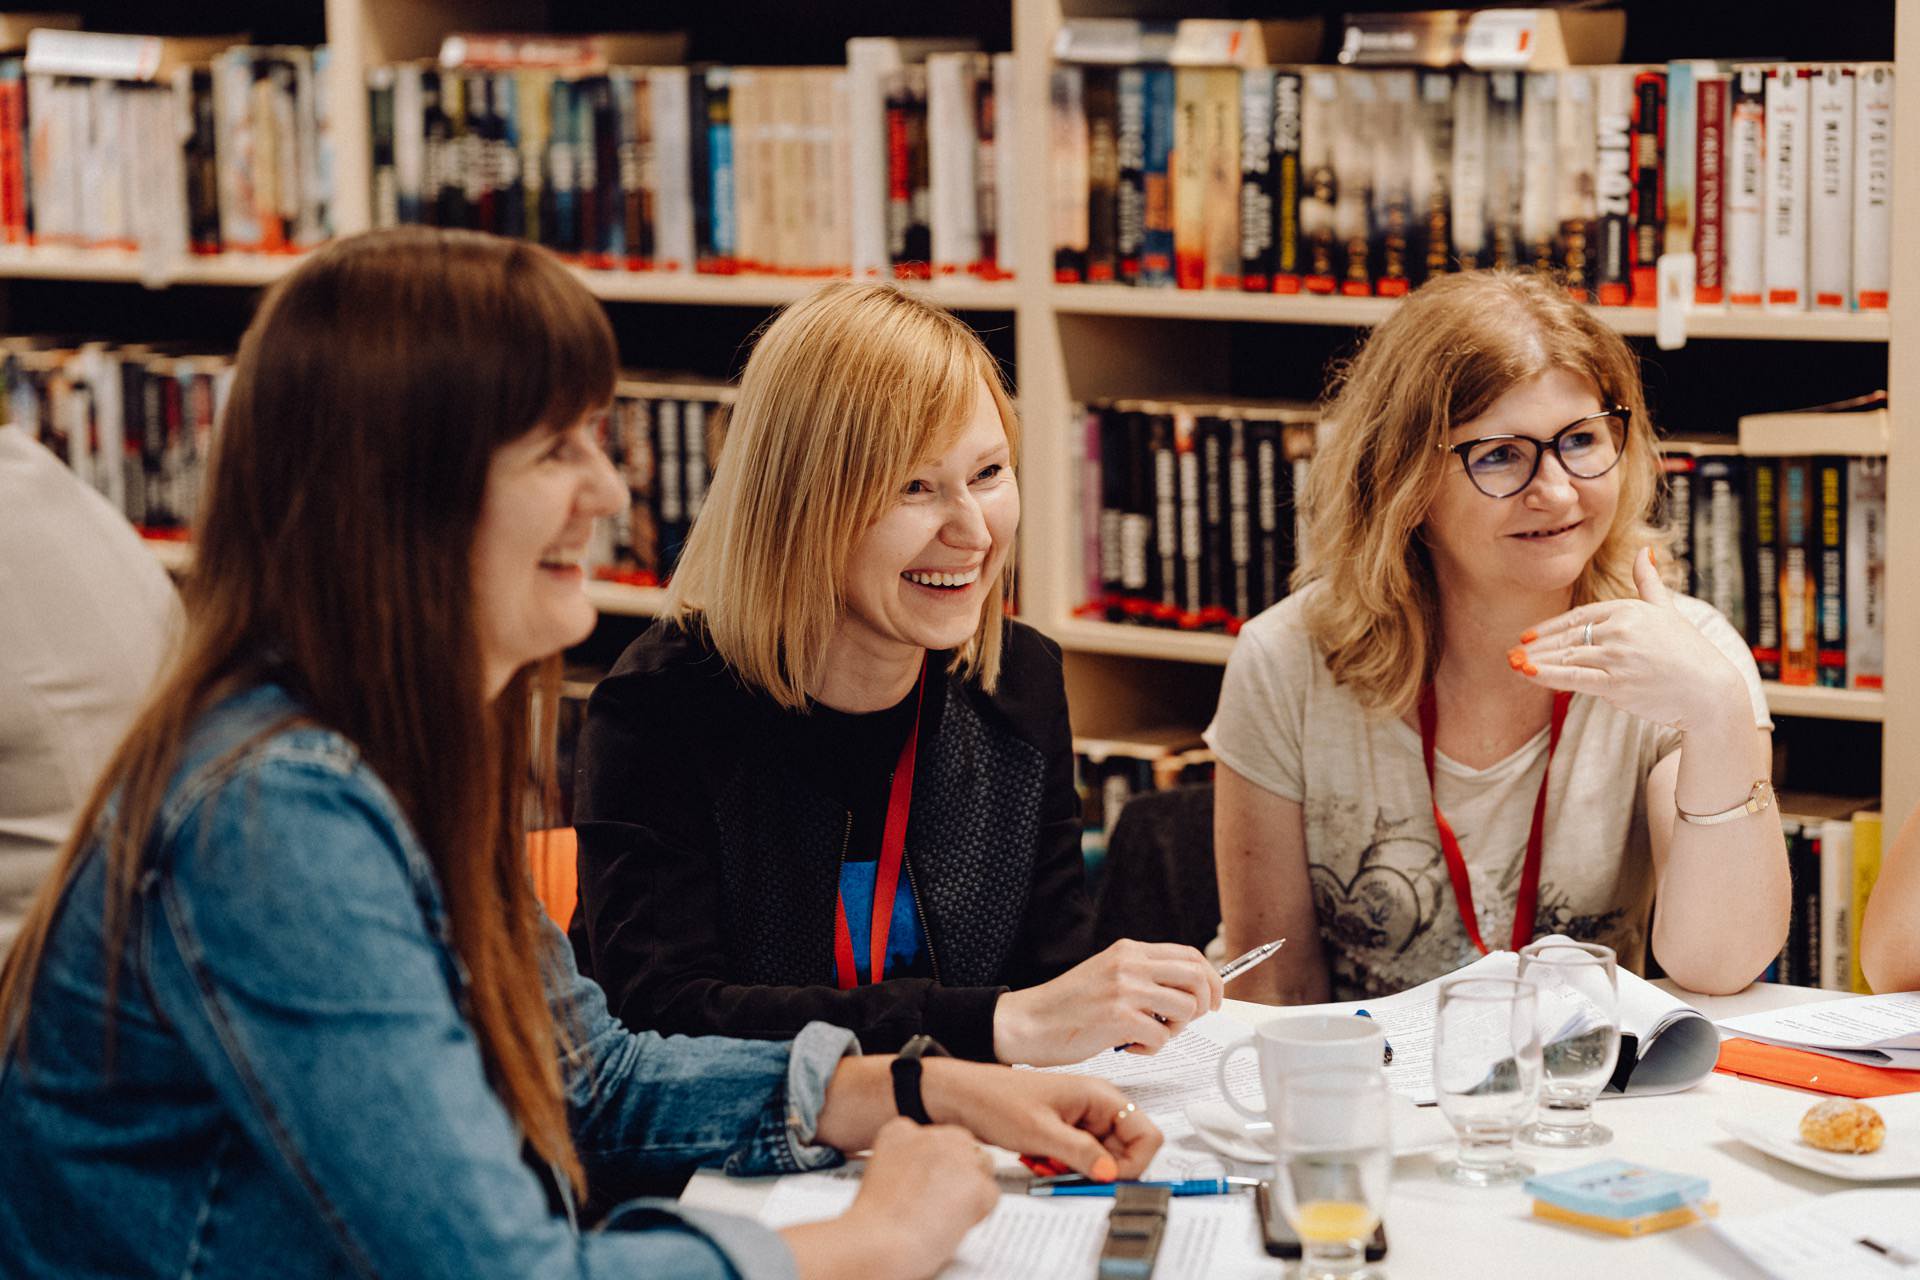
x=1333, y=1136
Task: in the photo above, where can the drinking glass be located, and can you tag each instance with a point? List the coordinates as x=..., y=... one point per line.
x=1579, y=1015
x=1486, y=1074
x=1333, y=1137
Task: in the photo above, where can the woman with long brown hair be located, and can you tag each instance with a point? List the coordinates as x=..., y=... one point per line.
x=289, y=1004
x=1482, y=716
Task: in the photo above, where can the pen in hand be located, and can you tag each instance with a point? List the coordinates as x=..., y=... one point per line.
x=1233, y=969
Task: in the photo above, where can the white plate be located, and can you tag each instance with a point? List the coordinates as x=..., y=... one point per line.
x=1778, y=1134
x=1416, y=1131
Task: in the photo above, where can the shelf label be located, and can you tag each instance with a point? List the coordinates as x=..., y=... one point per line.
x=1498, y=39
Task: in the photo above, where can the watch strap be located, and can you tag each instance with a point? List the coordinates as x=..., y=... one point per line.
x=1135, y=1229
x=1758, y=799
x=906, y=1076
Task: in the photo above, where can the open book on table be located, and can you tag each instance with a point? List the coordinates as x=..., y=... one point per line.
x=1666, y=1045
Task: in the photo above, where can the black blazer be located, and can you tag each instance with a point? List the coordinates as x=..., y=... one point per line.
x=711, y=829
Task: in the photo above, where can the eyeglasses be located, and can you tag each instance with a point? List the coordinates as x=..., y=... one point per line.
x=1588, y=448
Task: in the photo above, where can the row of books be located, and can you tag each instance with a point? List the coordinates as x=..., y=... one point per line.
x=1833, y=855
x=135, y=422
x=1109, y=771
x=1774, y=182
x=170, y=147
x=663, y=434
x=1187, y=509
x=897, y=165
x=1791, y=549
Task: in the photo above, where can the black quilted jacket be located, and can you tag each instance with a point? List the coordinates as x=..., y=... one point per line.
x=711, y=833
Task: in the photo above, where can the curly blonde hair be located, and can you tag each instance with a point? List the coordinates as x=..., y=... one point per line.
x=1449, y=351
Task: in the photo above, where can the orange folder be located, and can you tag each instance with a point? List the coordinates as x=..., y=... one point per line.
x=1816, y=1072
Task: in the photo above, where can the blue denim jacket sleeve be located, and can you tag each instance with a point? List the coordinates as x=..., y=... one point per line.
x=290, y=948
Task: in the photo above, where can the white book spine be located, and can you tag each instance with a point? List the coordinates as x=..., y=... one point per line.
x=234, y=144
x=869, y=62
x=1613, y=104
x=1873, y=185
x=1830, y=215
x=1866, y=559
x=673, y=200
x=1679, y=156
x=950, y=162
x=1539, y=129
x=102, y=374
x=839, y=213
x=1836, y=903
x=1746, y=187
x=1785, y=200
x=1006, y=128
x=409, y=142
x=745, y=116
x=1575, y=141
x=1469, y=167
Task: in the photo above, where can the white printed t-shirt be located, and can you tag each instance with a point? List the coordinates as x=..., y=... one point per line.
x=1388, y=919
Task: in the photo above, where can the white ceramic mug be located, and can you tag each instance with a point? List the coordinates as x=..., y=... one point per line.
x=1304, y=1042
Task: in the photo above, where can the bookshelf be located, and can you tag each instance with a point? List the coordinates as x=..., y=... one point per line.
x=1080, y=341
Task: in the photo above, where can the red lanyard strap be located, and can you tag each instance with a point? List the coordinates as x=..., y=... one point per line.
x=1524, y=908
x=893, y=851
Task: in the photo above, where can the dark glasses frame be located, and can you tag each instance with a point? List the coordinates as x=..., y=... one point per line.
x=1540, y=448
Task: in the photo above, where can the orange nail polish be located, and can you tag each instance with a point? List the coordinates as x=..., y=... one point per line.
x=1516, y=657
x=1104, y=1170
x=1653, y=557
x=1529, y=670
x=1529, y=636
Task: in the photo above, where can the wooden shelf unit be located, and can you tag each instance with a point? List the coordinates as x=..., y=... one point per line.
x=1084, y=340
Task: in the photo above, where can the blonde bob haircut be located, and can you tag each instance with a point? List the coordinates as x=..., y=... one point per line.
x=847, y=391
x=1448, y=352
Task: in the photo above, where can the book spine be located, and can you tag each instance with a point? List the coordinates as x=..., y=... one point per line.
x=869, y=59
x=1258, y=260
x=1156, y=239
x=386, y=199
x=1786, y=196
x=1269, y=473
x=610, y=199
x=1679, y=468
x=1392, y=212
x=1866, y=871
x=1298, y=443
x=560, y=213
x=1287, y=180
x=1719, y=560
x=1113, y=508
x=700, y=169
x=695, y=418
x=1540, y=188
x=1873, y=186
x=1215, y=522
x=954, y=240
x=670, y=494
x=1710, y=189
x=485, y=194
x=1189, y=177
x=1803, y=937
x=673, y=199
x=1242, y=579
x=1321, y=263
x=1356, y=128
x=1166, y=580
x=1866, y=569
x=1836, y=902
x=1470, y=112
x=1191, y=596
x=720, y=201
x=1139, y=553
x=1504, y=166
x=630, y=103
x=1830, y=213
x=1103, y=175
x=583, y=131
x=919, y=237
x=202, y=162
x=1830, y=485
x=1763, y=512
x=13, y=150
x=1130, y=196
x=1071, y=173
x=456, y=170
x=986, y=173
x=1220, y=202
x=1578, y=136
x=1649, y=184
x=1613, y=174
x=1008, y=115
x=533, y=119
x=1799, y=614
x=1095, y=558
x=1747, y=188
x=1679, y=153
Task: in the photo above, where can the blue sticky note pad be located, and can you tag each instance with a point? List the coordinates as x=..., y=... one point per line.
x=1617, y=1189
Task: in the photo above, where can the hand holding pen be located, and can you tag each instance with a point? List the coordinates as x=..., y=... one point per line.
x=1138, y=993
x=1227, y=973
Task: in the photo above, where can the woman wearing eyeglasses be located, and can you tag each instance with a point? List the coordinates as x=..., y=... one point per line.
x=1481, y=716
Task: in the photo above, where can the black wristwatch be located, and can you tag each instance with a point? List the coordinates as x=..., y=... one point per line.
x=906, y=1076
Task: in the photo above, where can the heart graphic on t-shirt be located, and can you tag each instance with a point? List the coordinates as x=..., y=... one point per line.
x=1378, y=909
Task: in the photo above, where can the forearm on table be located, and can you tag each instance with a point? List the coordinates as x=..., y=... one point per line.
x=1723, y=897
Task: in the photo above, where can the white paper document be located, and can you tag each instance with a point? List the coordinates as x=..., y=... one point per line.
x=1046, y=1238
x=1882, y=1031
x=1863, y=1235
x=1185, y=1070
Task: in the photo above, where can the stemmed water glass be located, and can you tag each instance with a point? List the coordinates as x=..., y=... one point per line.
x=1486, y=1074
x=1333, y=1133
x=1580, y=1038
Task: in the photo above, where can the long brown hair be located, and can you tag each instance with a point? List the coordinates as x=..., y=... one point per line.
x=334, y=555
x=1446, y=354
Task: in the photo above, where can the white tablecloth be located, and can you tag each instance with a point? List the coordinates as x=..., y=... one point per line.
x=1439, y=1230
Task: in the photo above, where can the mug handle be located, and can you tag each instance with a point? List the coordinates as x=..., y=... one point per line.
x=1220, y=1070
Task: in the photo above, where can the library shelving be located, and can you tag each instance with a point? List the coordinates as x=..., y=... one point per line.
x=1075, y=342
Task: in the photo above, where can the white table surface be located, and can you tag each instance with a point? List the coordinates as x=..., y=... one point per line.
x=1439, y=1230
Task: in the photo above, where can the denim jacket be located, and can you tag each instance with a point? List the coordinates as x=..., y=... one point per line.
x=294, y=1089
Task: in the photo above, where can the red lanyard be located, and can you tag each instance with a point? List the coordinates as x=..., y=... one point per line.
x=1450, y=844
x=893, y=851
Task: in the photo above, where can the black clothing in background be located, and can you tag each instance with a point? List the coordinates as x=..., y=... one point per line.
x=711, y=825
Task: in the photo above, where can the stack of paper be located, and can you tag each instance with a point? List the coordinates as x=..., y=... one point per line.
x=1879, y=1031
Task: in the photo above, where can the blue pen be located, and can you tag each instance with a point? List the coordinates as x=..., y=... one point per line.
x=1386, y=1059
x=1188, y=1187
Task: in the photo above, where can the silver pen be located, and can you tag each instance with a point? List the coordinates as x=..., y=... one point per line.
x=1240, y=964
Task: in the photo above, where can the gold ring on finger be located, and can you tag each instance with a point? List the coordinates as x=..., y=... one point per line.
x=1123, y=1113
